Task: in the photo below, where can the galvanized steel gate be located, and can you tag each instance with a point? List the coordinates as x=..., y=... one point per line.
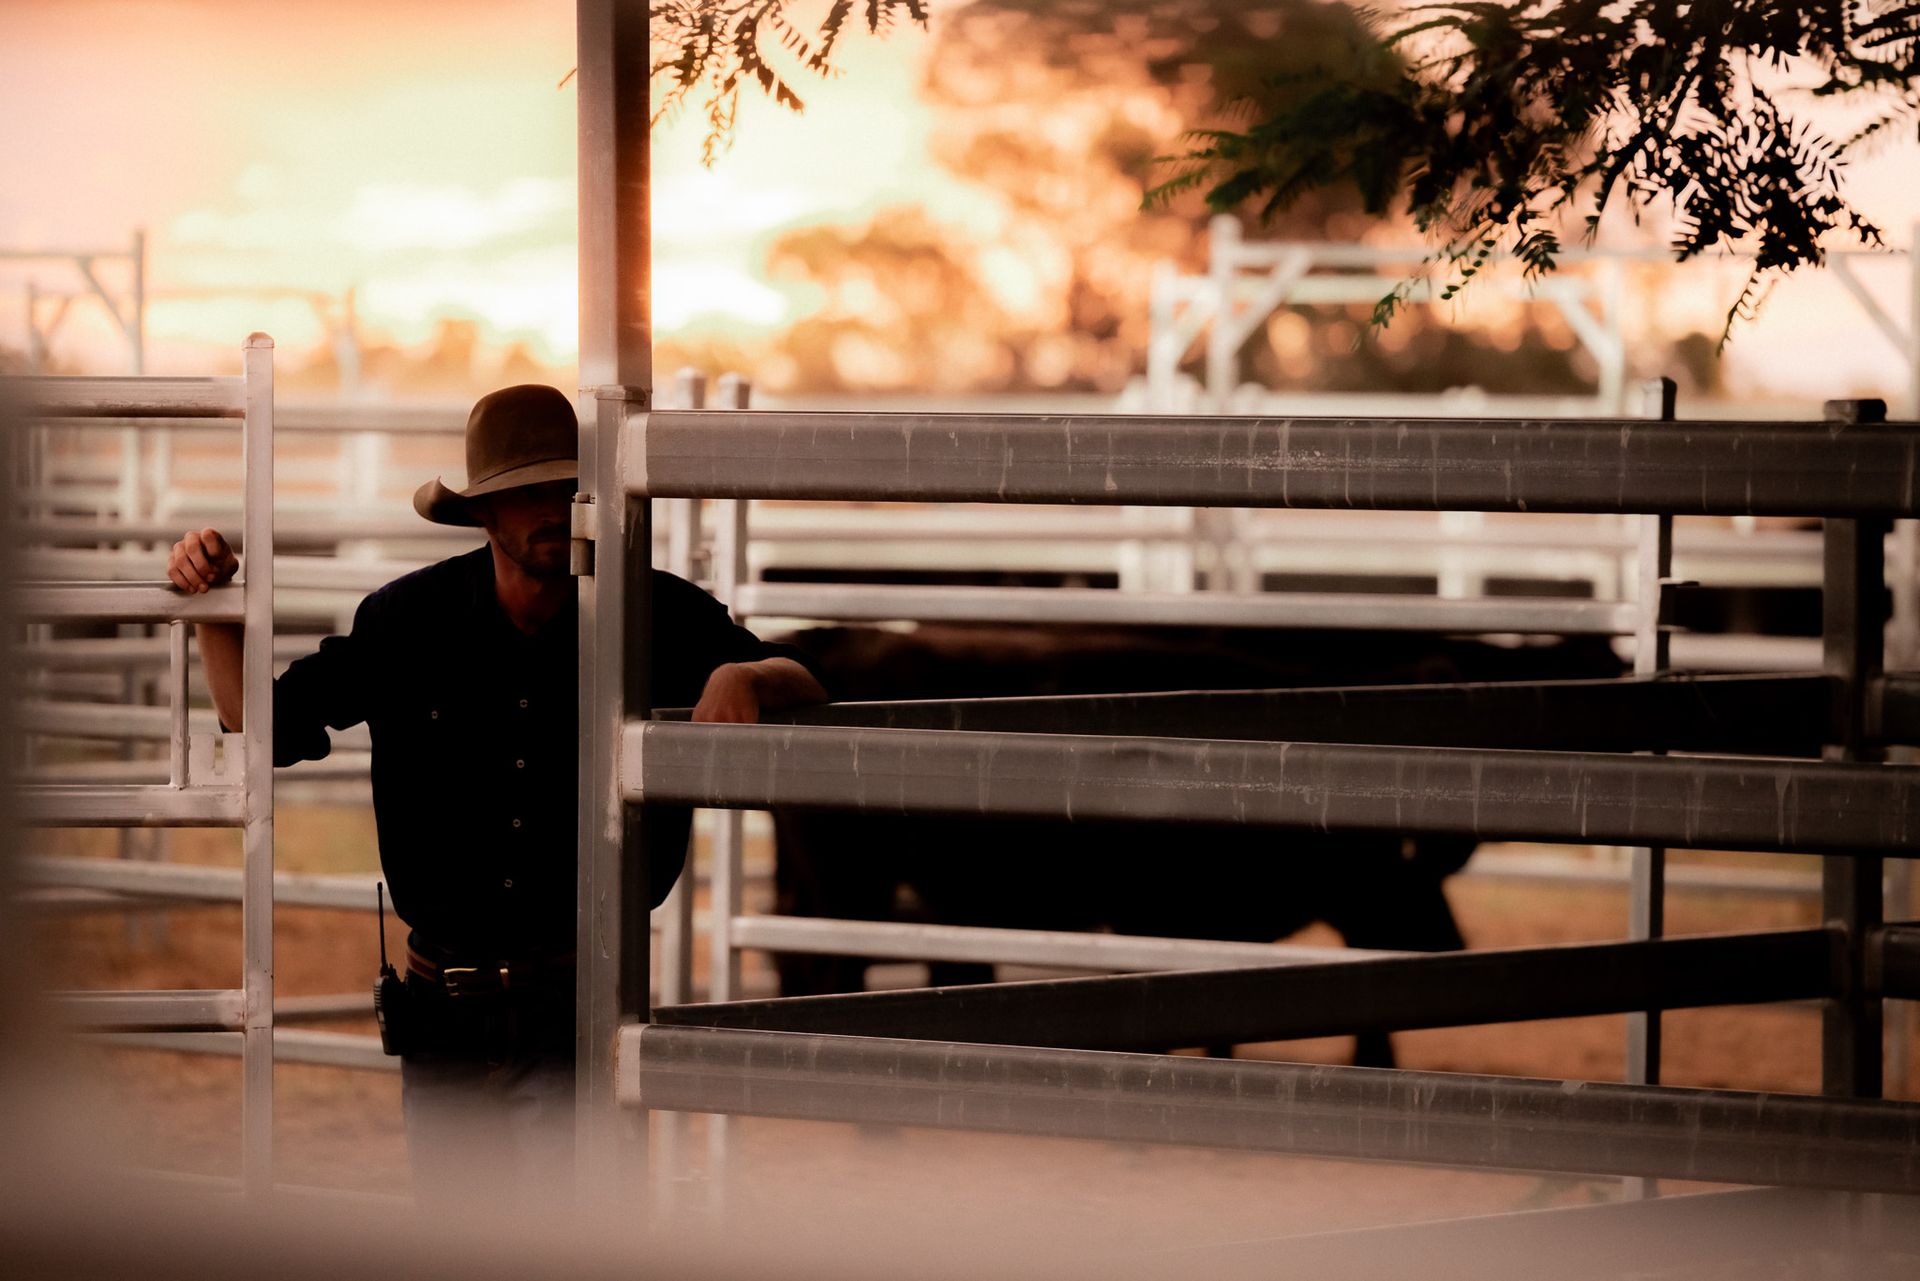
x=239, y=797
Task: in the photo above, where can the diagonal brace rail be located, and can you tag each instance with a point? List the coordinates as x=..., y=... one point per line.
x=1288, y=1002
x=1779, y=715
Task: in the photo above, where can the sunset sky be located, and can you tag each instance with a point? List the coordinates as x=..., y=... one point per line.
x=423, y=151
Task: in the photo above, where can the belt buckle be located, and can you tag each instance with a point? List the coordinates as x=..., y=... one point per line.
x=472, y=980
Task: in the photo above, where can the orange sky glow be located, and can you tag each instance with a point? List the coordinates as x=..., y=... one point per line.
x=422, y=153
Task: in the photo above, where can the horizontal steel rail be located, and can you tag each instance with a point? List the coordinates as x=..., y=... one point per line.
x=118, y=721
x=1746, y=653
x=449, y=419
x=1367, y=993
x=191, y=1010
x=324, y=573
x=1586, y=798
x=1374, y=611
x=890, y=940
x=142, y=397
x=323, y=1008
x=122, y=721
x=144, y=602
x=318, y=418
x=197, y=884
x=55, y=900
x=337, y=765
x=128, y=805
x=1595, y=466
x=120, y=653
x=1756, y=715
x=911, y=523
x=1574, y=869
x=289, y=531
x=290, y=1045
x=1442, y=1118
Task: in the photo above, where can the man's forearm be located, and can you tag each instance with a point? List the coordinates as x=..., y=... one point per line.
x=781, y=682
x=222, y=650
x=737, y=693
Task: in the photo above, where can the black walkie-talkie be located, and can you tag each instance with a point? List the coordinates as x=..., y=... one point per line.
x=389, y=993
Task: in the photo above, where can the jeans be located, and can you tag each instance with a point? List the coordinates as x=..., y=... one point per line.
x=489, y=1136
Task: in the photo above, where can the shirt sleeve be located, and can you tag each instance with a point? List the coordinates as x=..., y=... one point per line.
x=692, y=635
x=329, y=687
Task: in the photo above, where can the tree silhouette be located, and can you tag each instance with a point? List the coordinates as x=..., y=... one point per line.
x=1494, y=122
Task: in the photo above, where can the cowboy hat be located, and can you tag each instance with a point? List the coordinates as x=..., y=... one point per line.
x=516, y=436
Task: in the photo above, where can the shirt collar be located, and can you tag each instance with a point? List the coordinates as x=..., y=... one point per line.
x=485, y=611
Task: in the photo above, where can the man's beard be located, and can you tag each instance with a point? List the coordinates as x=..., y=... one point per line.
x=544, y=555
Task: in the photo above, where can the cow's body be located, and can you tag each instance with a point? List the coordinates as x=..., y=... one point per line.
x=1378, y=890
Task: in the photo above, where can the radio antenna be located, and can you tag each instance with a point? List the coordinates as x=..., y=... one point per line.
x=380, y=903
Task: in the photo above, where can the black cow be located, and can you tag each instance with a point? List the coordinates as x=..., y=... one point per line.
x=1185, y=881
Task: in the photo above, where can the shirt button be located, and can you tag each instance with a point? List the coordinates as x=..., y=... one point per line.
x=516, y=822
x=523, y=702
x=508, y=883
x=519, y=764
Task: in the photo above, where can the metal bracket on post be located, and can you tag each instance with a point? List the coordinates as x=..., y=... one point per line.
x=580, y=550
x=1854, y=604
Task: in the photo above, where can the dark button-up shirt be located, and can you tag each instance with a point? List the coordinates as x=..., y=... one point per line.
x=475, y=740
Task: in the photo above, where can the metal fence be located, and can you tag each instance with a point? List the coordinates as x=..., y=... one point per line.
x=1646, y=761
x=207, y=784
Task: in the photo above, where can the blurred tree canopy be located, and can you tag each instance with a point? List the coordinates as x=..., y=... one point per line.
x=1060, y=108
x=708, y=49
x=1494, y=121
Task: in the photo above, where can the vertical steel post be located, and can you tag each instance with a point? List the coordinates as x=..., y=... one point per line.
x=683, y=545
x=256, y=905
x=730, y=570
x=1854, y=608
x=616, y=369
x=177, y=738
x=1652, y=655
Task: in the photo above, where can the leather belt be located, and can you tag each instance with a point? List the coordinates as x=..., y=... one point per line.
x=492, y=978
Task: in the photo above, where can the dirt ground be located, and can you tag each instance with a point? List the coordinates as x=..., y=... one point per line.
x=342, y=1129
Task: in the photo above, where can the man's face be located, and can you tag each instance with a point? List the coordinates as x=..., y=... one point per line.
x=532, y=525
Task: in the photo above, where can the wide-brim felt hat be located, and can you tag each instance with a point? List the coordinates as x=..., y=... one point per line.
x=524, y=435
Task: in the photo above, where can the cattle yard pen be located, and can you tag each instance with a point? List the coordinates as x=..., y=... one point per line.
x=1652, y=761
x=730, y=544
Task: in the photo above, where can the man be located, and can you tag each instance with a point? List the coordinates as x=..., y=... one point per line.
x=465, y=673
